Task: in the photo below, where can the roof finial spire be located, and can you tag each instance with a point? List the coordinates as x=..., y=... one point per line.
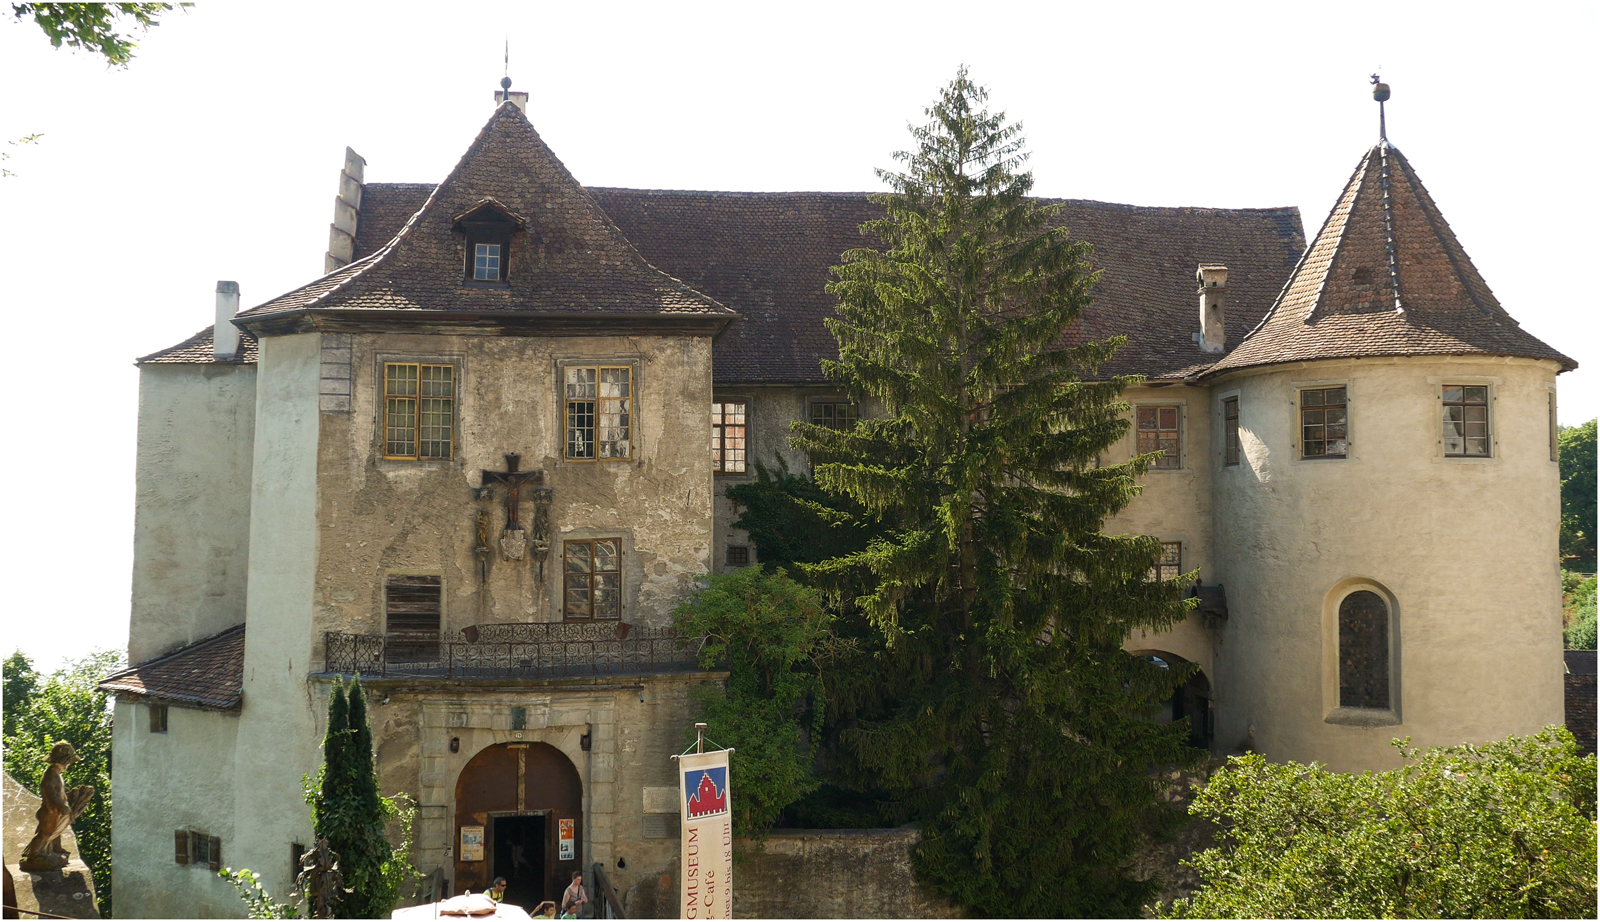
x=505, y=79
x=1380, y=92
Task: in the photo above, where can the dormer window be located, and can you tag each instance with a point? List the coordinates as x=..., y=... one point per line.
x=488, y=228
x=486, y=262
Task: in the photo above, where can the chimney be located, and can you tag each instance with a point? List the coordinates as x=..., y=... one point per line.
x=1213, y=291
x=519, y=99
x=346, y=213
x=225, y=337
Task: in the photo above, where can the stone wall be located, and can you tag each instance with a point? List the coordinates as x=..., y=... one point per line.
x=834, y=874
x=1580, y=689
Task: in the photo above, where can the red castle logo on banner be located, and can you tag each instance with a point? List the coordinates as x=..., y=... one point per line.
x=709, y=798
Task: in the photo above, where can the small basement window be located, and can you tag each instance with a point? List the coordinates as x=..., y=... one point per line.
x=738, y=556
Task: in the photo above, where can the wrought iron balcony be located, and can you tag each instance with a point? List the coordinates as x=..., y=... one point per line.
x=516, y=651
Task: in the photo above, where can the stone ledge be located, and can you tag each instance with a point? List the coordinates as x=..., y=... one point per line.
x=1362, y=717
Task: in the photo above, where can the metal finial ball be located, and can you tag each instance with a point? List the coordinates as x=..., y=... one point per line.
x=1380, y=90
x=505, y=83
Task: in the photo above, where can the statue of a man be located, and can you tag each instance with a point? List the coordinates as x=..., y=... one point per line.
x=58, y=809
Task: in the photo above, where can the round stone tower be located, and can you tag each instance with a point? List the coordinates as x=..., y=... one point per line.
x=1386, y=521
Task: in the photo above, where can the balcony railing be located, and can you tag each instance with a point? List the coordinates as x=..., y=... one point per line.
x=517, y=651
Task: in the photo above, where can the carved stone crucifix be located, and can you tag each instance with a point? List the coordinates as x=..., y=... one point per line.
x=513, y=540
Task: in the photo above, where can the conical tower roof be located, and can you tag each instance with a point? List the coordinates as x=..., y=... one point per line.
x=568, y=263
x=1385, y=276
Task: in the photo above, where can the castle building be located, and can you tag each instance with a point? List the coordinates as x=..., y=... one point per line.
x=481, y=460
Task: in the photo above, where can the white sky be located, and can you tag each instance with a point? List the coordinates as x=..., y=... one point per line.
x=215, y=155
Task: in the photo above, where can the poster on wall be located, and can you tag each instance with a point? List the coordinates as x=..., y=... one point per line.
x=706, y=888
x=471, y=843
x=565, y=840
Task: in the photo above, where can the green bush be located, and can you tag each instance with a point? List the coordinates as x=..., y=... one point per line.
x=770, y=632
x=1504, y=830
x=1580, y=614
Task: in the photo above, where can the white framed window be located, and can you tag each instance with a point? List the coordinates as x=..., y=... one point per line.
x=1466, y=420
x=486, y=262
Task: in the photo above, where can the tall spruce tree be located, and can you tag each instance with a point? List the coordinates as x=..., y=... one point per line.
x=997, y=704
x=348, y=811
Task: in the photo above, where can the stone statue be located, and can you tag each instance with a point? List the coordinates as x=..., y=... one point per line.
x=57, y=811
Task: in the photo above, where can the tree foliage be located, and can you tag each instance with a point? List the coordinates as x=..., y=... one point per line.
x=66, y=706
x=793, y=521
x=101, y=28
x=348, y=811
x=991, y=696
x=1578, y=496
x=1505, y=830
x=773, y=635
x=1579, y=611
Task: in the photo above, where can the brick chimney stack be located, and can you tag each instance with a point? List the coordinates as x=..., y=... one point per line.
x=1213, y=291
x=225, y=337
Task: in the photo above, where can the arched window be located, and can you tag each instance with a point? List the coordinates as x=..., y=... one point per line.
x=1363, y=651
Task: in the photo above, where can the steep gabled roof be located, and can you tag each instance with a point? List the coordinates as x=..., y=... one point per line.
x=767, y=255
x=199, y=350
x=569, y=260
x=208, y=673
x=1386, y=276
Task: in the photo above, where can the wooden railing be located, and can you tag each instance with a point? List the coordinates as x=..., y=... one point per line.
x=606, y=905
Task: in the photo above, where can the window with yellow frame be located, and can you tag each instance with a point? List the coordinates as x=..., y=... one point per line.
x=418, y=410
x=599, y=411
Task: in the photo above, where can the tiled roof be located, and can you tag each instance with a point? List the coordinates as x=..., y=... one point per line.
x=767, y=256
x=1385, y=276
x=569, y=260
x=197, y=349
x=208, y=673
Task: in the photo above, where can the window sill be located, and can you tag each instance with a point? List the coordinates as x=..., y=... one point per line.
x=1362, y=717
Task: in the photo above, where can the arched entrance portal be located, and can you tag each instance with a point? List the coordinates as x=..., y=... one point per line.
x=517, y=795
x=1192, y=699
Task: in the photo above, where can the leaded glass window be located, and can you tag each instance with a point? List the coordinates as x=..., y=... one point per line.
x=1158, y=431
x=1230, y=431
x=599, y=412
x=1363, y=651
x=1466, y=421
x=418, y=410
x=1170, y=564
x=728, y=449
x=486, y=262
x=1324, y=423
x=593, y=573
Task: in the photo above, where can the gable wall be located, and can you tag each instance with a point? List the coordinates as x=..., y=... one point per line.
x=191, y=532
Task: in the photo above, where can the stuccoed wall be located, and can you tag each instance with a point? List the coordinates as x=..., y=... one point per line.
x=380, y=516
x=635, y=724
x=1174, y=505
x=181, y=779
x=191, y=531
x=1465, y=548
x=277, y=740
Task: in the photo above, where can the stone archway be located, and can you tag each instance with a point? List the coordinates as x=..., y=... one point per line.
x=519, y=795
x=1192, y=699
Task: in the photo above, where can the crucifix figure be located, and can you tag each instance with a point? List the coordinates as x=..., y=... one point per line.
x=513, y=540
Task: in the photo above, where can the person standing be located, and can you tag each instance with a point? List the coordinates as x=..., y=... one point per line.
x=574, y=899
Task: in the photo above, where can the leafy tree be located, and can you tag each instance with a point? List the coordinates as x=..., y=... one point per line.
x=348, y=811
x=993, y=699
x=1578, y=496
x=1505, y=830
x=772, y=633
x=1580, y=613
x=68, y=706
x=102, y=28
x=21, y=683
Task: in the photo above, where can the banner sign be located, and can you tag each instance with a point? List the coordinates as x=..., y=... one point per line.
x=565, y=840
x=706, y=891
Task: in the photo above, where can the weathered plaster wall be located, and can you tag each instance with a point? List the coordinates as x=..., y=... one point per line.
x=634, y=724
x=835, y=874
x=1464, y=548
x=1174, y=505
x=180, y=779
x=277, y=740
x=191, y=530
x=381, y=516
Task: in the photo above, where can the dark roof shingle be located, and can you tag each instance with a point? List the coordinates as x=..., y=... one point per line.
x=198, y=349
x=1385, y=276
x=208, y=673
